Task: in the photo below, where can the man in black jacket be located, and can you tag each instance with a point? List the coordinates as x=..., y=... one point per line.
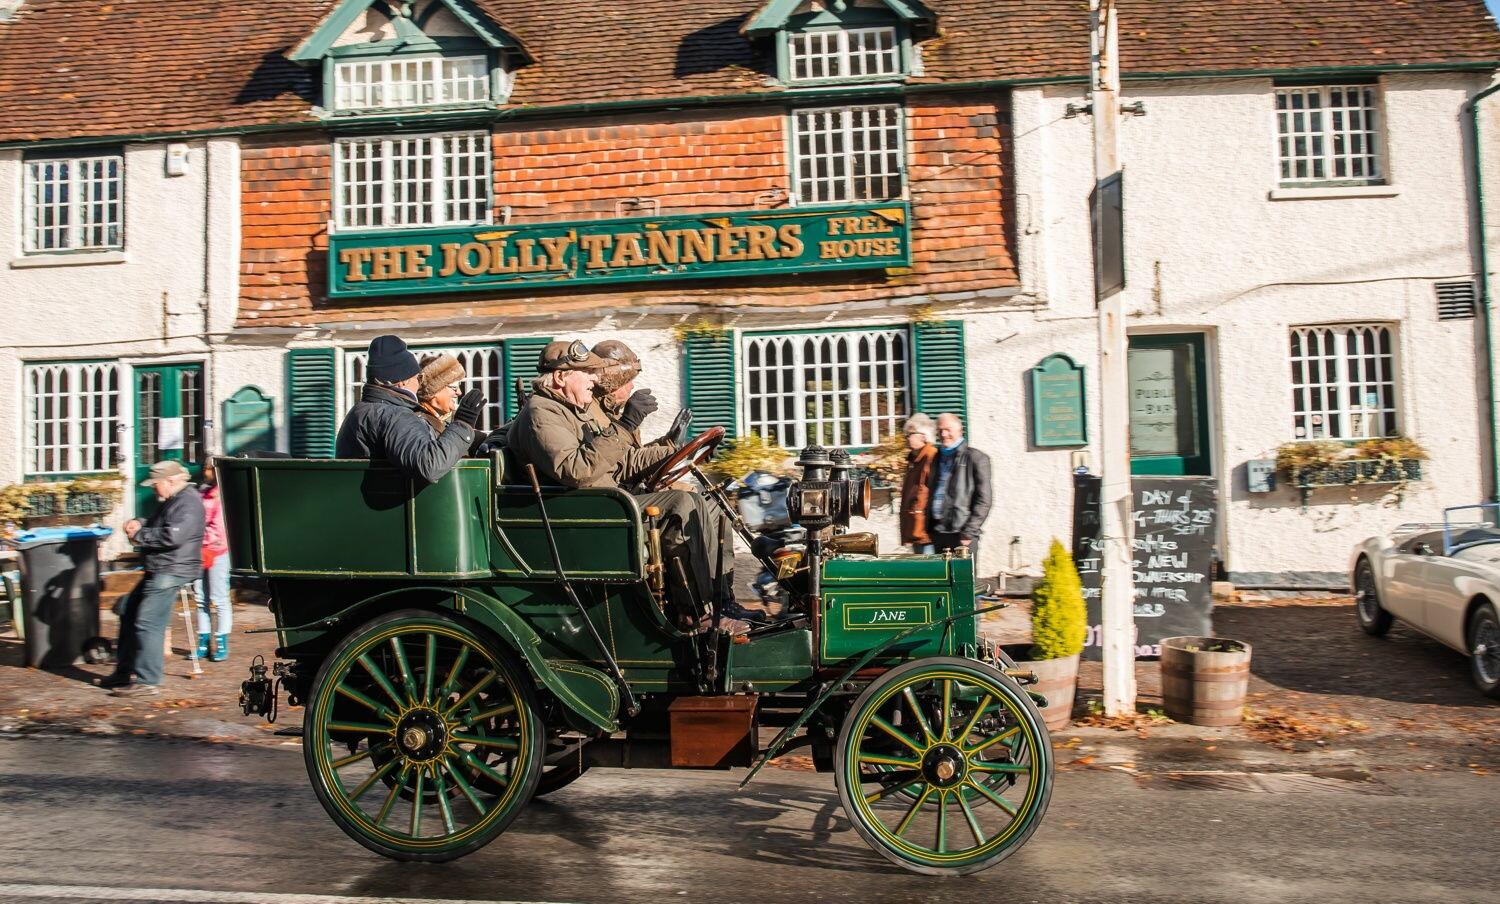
x=959, y=500
x=172, y=542
x=384, y=424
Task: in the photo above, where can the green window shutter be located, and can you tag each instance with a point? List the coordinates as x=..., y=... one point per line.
x=939, y=364
x=249, y=421
x=520, y=363
x=312, y=404
x=708, y=380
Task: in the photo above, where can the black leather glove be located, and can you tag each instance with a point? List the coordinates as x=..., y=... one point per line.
x=637, y=407
x=470, y=404
x=678, y=433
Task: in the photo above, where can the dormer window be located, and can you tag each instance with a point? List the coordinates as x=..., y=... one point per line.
x=844, y=53
x=384, y=55
x=403, y=82
x=824, y=41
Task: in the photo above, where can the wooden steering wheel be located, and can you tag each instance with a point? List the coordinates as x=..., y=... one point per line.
x=679, y=463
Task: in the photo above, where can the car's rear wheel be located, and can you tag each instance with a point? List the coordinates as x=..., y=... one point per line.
x=1484, y=649
x=1373, y=619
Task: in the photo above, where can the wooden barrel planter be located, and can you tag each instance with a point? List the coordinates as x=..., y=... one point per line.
x=1204, y=679
x=1056, y=679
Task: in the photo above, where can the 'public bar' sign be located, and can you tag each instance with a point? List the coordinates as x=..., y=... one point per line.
x=638, y=249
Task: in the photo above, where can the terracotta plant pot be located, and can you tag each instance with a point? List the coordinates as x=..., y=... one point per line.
x=1056, y=679
x=1204, y=679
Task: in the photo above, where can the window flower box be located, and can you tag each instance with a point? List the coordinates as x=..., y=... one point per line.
x=1359, y=471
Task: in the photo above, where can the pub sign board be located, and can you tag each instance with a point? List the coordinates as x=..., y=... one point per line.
x=1058, y=414
x=1175, y=522
x=635, y=249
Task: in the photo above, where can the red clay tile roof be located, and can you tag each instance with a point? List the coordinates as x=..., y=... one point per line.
x=72, y=69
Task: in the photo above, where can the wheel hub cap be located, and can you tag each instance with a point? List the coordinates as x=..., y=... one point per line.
x=943, y=766
x=421, y=735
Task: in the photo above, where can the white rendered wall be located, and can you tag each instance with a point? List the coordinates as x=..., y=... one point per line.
x=1207, y=250
x=175, y=281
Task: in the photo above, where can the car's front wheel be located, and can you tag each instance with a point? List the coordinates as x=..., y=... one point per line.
x=1484, y=649
x=1374, y=620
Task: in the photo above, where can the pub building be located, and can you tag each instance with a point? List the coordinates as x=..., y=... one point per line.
x=810, y=218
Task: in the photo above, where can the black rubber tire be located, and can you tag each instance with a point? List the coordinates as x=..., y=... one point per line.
x=1484, y=665
x=558, y=778
x=1374, y=620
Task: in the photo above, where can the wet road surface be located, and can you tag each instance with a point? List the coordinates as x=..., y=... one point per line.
x=146, y=820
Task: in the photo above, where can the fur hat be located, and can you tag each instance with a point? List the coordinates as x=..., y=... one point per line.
x=623, y=365
x=438, y=373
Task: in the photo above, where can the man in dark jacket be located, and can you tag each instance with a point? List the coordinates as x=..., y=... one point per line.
x=172, y=542
x=959, y=498
x=385, y=426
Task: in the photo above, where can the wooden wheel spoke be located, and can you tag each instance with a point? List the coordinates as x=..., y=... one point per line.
x=963, y=804
x=911, y=699
x=408, y=683
x=896, y=733
x=372, y=778
x=469, y=694
x=441, y=787
x=380, y=709
x=911, y=814
x=463, y=786
x=380, y=679
x=416, y=803
x=986, y=745
x=480, y=765
x=994, y=767
x=362, y=728
x=968, y=728
x=504, y=709
x=947, y=705
x=427, y=670
x=458, y=664
x=511, y=744
x=992, y=797
x=356, y=757
x=881, y=759
x=390, y=799
x=942, y=823
x=896, y=786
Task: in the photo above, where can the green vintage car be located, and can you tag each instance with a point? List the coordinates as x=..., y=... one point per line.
x=465, y=646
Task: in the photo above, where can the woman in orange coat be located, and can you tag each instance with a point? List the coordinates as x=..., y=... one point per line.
x=920, y=432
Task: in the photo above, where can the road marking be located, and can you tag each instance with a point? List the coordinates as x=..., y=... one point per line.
x=195, y=896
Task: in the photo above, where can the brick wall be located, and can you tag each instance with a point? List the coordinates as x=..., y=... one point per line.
x=689, y=163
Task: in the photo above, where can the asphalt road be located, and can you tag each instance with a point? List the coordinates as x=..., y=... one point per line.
x=143, y=820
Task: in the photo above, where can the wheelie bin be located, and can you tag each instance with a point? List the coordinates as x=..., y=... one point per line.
x=59, y=592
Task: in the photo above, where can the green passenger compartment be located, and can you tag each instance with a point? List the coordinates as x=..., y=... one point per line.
x=344, y=519
x=868, y=601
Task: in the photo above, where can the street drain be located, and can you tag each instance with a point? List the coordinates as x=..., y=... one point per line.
x=1348, y=781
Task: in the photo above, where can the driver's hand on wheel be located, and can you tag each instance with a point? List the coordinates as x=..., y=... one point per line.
x=678, y=433
x=640, y=404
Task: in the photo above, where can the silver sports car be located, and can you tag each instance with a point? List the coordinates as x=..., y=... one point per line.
x=1442, y=579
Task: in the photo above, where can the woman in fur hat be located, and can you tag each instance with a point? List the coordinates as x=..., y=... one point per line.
x=437, y=394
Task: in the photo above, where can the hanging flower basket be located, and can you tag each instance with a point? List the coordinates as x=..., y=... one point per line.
x=1357, y=471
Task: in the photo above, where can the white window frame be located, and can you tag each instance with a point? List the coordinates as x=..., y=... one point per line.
x=387, y=84
x=1327, y=145
x=855, y=424
x=841, y=167
x=94, y=206
x=484, y=366
x=397, y=197
x=87, y=417
x=838, y=55
x=1346, y=363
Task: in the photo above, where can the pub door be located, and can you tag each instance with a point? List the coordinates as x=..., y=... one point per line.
x=169, y=407
x=1169, y=418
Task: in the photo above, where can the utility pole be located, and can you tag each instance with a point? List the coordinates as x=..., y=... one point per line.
x=1116, y=528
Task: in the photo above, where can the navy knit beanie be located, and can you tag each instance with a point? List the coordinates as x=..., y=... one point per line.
x=390, y=361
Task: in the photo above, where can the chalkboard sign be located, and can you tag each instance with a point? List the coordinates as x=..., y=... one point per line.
x=1057, y=407
x=1175, y=526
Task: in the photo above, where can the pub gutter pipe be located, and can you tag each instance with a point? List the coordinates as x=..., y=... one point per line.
x=1484, y=289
